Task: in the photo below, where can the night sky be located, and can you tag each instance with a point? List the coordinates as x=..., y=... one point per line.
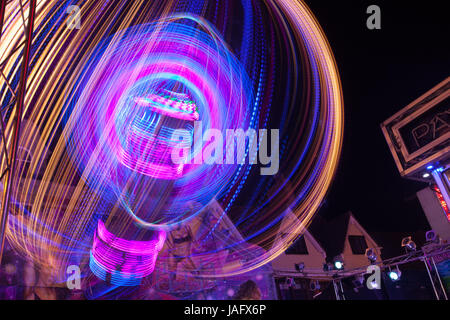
x=382, y=71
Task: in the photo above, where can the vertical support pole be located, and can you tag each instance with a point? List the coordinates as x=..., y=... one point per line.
x=341, y=290
x=2, y=16
x=438, y=276
x=425, y=261
x=336, y=293
x=338, y=289
x=275, y=286
x=17, y=121
x=5, y=150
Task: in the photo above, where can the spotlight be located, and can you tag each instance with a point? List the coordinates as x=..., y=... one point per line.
x=411, y=246
x=408, y=244
x=430, y=167
x=338, y=263
x=371, y=255
x=358, y=282
x=300, y=266
x=426, y=175
x=314, y=285
x=395, y=275
x=290, y=283
x=360, y=279
x=432, y=237
x=327, y=267
x=374, y=284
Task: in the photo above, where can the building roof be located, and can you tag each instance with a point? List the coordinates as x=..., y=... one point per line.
x=331, y=234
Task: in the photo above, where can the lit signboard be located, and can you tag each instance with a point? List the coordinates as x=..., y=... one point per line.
x=419, y=134
x=442, y=202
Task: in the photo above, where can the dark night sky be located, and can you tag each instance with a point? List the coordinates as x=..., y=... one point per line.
x=382, y=71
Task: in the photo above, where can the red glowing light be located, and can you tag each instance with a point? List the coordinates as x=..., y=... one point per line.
x=441, y=199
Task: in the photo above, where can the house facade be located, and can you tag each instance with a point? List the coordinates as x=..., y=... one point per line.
x=301, y=271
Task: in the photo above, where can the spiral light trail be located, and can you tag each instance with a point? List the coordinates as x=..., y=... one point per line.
x=103, y=101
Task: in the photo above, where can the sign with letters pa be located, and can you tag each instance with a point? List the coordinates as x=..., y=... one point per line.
x=419, y=134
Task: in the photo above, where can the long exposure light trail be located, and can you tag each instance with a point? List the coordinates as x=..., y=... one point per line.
x=90, y=113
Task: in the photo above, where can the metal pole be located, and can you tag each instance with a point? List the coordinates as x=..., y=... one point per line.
x=2, y=16
x=439, y=278
x=17, y=120
x=431, y=278
x=342, y=290
x=336, y=290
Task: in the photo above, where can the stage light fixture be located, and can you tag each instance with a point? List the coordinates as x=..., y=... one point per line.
x=432, y=237
x=430, y=167
x=408, y=244
x=314, y=285
x=358, y=282
x=327, y=267
x=290, y=283
x=374, y=284
x=426, y=175
x=371, y=254
x=338, y=263
x=300, y=266
x=394, y=275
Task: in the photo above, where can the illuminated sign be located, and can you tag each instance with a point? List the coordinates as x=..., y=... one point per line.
x=430, y=126
x=419, y=134
x=441, y=199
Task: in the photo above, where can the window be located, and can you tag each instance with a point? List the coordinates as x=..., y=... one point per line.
x=298, y=247
x=358, y=244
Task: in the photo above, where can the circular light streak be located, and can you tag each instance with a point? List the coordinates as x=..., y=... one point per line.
x=87, y=87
